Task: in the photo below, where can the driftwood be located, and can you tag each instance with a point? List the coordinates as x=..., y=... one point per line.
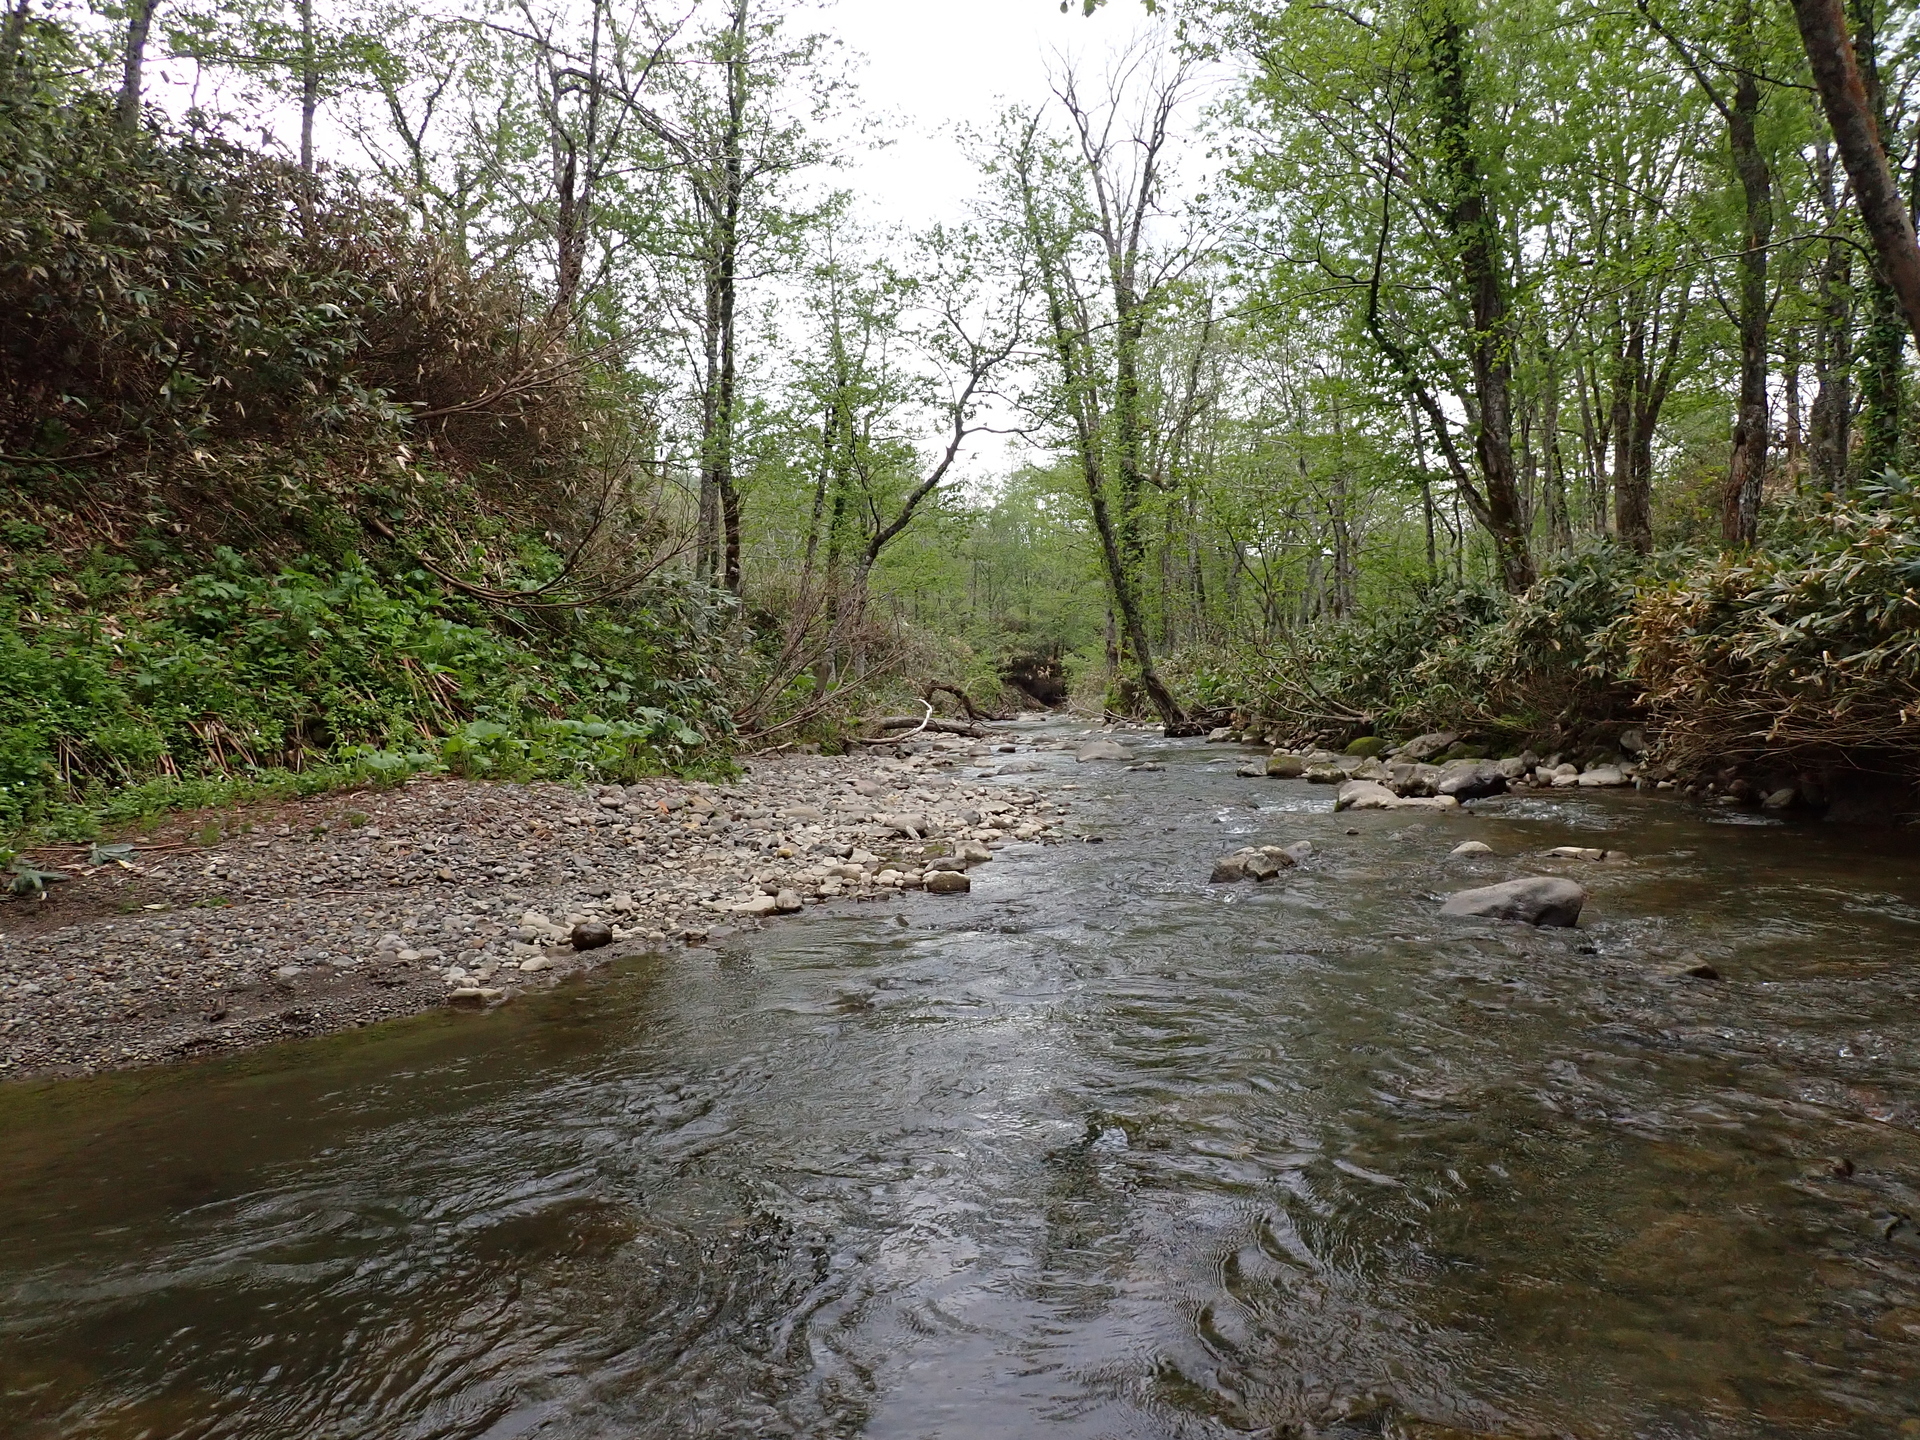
x=913, y=723
x=966, y=703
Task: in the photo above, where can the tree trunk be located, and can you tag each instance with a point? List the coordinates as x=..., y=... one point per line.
x=1472, y=224
x=1828, y=441
x=1747, y=466
x=1856, y=134
x=133, y=59
x=309, y=87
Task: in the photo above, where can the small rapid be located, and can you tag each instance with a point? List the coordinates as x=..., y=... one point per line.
x=1099, y=1150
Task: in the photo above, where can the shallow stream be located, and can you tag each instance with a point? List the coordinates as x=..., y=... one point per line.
x=1100, y=1150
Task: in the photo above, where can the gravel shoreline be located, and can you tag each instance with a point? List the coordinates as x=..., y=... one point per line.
x=243, y=927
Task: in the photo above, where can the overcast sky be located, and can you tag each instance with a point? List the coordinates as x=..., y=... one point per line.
x=936, y=66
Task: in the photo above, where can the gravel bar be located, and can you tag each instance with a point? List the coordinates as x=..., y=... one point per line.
x=245, y=926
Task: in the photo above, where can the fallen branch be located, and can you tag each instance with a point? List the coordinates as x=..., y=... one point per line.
x=966, y=703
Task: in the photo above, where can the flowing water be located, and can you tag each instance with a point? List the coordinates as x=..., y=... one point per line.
x=1099, y=1151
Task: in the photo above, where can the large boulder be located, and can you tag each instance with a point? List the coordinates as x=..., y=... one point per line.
x=1534, y=900
x=1405, y=778
x=1286, y=767
x=1425, y=747
x=1102, y=750
x=1471, y=779
x=1372, y=795
x=1367, y=746
x=1326, y=774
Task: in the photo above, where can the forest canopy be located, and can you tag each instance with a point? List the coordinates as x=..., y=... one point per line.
x=1538, y=369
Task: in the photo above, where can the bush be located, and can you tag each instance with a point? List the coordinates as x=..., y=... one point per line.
x=1458, y=658
x=1806, y=651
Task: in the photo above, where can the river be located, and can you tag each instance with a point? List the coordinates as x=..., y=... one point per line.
x=1100, y=1150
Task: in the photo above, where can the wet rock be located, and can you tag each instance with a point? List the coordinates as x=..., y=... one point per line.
x=1252, y=770
x=1300, y=850
x=1102, y=750
x=1534, y=900
x=1406, y=778
x=1698, y=970
x=1584, y=852
x=1220, y=736
x=1285, y=767
x=591, y=935
x=1604, y=777
x=1229, y=868
x=973, y=852
x=1255, y=862
x=948, y=882
x=1634, y=741
x=1782, y=799
x=1372, y=795
x=1326, y=773
x=787, y=902
x=758, y=906
x=1471, y=847
x=1471, y=779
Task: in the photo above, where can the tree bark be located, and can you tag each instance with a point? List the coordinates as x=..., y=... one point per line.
x=1856, y=134
x=133, y=60
x=1472, y=224
x=1747, y=465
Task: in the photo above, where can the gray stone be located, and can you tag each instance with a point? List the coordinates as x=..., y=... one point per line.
x=537, y=964
x=1372, y=795
x=1782, y=799
x=787, y=902
x=1216, y=737
x=910, y=823
x=1578, y=852
x=948, y=882
x=475, y=995
x=1412, y=780
x=1514, y=767
x=1534, y=900
x=1300, y=850
x=757, y=906
x=974, y=852
x=1470, y=779
x=1604, y=777
x=591, y=935
x=1102, y=750
x=1252, y=770
x=1286, y=767
x=1425, y=747
x=1471, y=847
x=1634, y=741
x=1326, y=773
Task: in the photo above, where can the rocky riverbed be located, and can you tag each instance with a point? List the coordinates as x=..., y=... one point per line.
x=258, y=924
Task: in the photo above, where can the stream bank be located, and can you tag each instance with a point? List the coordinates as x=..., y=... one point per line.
x=249, y=926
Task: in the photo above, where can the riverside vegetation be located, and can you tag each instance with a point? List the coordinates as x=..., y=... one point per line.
x=569, y=424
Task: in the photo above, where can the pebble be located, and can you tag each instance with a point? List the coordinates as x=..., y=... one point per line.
x=165, y=959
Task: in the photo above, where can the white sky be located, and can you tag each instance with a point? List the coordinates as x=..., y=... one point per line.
x=936, y=66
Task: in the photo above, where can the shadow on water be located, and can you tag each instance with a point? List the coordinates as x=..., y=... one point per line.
x=1100, y=1150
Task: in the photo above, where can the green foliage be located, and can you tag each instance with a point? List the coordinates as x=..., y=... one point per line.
x=1472, y=659
x=1807, y=649
x=234, y=672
